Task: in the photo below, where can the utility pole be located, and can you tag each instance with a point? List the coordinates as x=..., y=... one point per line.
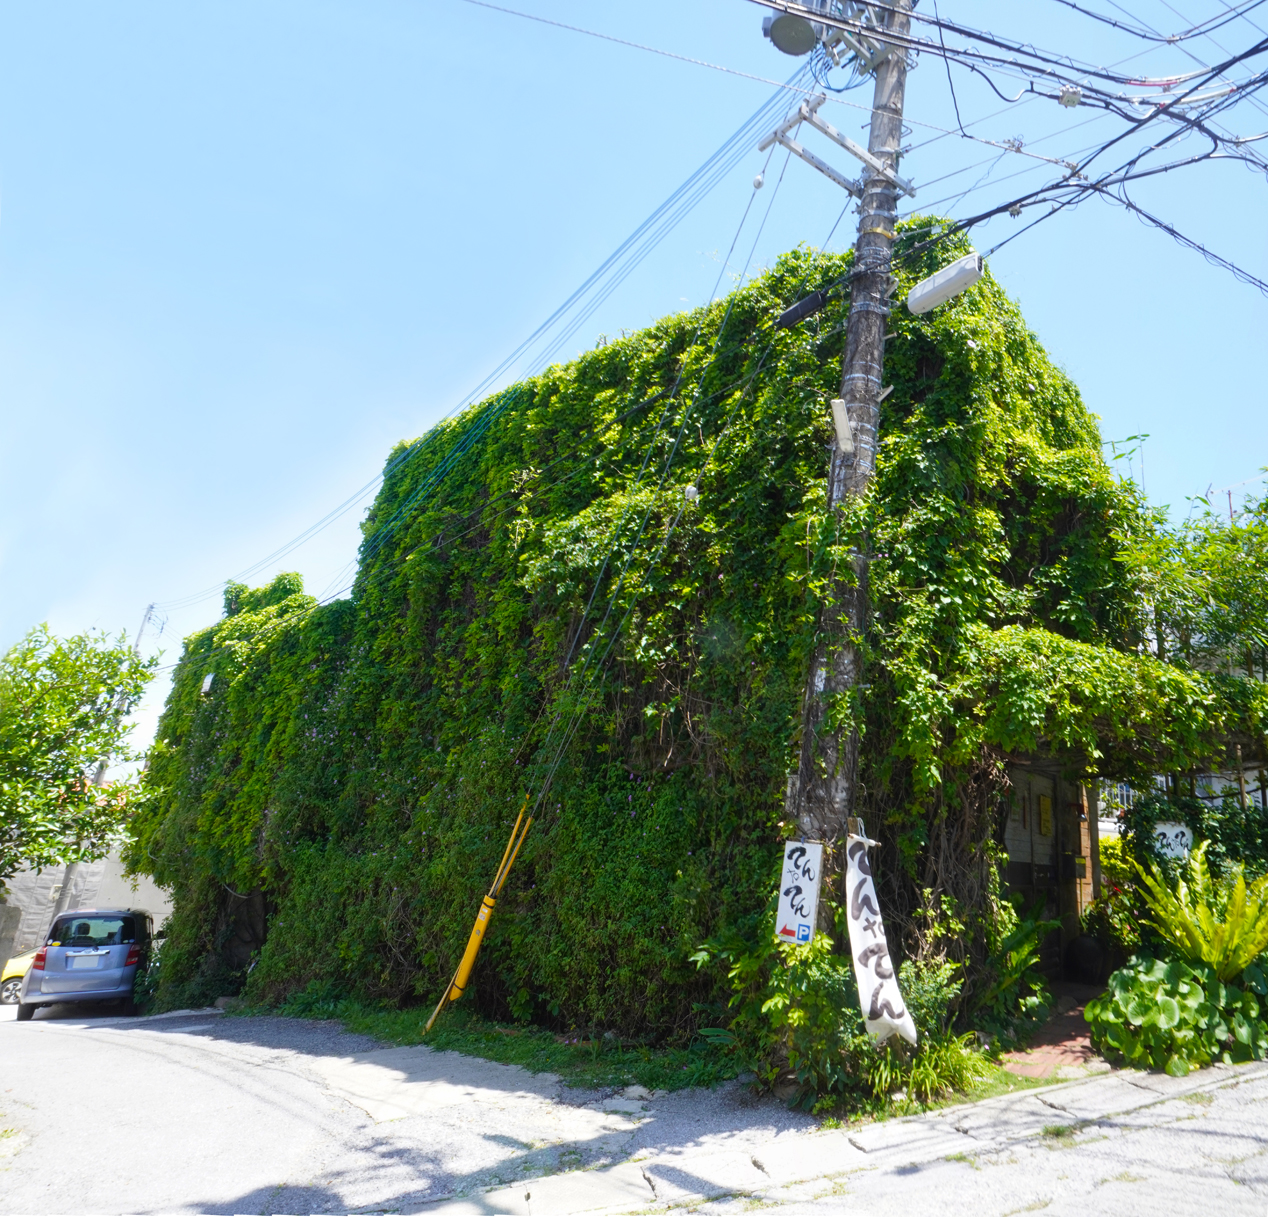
x=821, y=795
x=98, y=780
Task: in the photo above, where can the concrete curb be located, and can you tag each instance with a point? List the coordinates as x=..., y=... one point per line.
x=667, y=1180
x=125, y=1020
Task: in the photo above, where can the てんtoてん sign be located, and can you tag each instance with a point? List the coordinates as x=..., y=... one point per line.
x=799, y=891
x=1173, y=840
x=884, y=1011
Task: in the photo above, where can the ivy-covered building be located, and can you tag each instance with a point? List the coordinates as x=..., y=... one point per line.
x=539, y=596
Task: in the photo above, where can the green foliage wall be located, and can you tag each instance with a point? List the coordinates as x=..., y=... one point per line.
x=360, y=762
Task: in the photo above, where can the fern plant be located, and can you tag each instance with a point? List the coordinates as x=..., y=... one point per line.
x=1017, y=993
x=1223, y=924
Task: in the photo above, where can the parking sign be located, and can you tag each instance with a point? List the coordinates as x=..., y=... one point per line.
x=799, y=891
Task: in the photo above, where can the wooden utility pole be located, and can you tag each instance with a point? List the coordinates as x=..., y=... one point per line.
x=821, y=795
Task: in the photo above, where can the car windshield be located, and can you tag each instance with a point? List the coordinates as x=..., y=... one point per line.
x=93, y=931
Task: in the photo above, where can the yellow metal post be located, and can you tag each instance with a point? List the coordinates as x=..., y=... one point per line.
x=473, y=948
x=457, y=986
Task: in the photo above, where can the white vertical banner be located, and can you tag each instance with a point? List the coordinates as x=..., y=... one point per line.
x=799, y=891
x=884, y=1011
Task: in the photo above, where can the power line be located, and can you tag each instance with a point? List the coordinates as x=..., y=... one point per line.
x=1062, y=70
x=637, y=46
x=600, y=285
x=631, y=253
x=1151, y=35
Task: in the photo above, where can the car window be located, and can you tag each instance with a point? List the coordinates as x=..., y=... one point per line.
x=93, y=931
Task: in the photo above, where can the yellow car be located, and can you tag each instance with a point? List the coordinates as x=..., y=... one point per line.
x=11, y=977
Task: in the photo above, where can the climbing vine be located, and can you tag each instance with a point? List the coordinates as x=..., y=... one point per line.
x=534, y=566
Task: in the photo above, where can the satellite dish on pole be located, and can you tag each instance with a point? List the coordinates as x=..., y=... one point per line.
x=791, y=34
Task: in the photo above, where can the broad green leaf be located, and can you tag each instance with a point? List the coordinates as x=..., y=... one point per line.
x=1177, y=1067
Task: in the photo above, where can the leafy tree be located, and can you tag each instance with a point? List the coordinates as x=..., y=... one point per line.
x=63, y=706
x=1207, y=582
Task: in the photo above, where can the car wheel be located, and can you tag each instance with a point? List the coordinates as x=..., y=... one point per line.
x=127, y=1006
x=11, y=991
x=25, y=1010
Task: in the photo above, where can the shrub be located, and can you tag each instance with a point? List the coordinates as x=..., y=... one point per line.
x=1223, y=924
x=942, y=1062
x=796, y=1022
x=1017, y=994
x=1234, y=835
x=1175, y=1016
x=1114, y=917
x=795, y=1010
x=930, y=990
x=1117, y=869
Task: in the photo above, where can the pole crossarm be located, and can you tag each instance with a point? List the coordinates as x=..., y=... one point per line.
x=786, y=141
x=856, y=150
x=808, y=112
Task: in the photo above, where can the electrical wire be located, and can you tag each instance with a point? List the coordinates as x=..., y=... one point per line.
x=1151, y=35
x=588, y=691
x=637, y=46
x=1055, y=70
x=635, y=249
x=600, y=285
x=725, y=391
x=471, y=436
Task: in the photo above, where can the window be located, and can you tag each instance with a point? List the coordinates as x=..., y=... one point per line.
x=92, y=931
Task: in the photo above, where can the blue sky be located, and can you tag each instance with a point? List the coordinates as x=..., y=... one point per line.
x=245, y=248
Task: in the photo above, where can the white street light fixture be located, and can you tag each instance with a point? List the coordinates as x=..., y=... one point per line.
x=944, y=284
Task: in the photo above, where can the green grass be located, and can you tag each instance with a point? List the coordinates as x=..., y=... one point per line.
x=995, y=1081
x=593, y=1063
x=577, y=1060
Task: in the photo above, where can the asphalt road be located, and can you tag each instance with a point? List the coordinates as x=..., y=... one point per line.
x=211, y=1114
x=208, y=1114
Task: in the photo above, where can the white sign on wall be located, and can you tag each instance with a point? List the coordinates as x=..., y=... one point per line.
x=799, y=891
x=884, y=1011
x=1173, y=840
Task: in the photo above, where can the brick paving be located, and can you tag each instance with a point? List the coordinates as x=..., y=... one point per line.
x=1062, y=1046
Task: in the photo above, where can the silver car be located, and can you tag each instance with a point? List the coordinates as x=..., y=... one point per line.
x=90, y=955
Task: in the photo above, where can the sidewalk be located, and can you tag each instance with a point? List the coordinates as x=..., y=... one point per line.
x=796, y=1166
